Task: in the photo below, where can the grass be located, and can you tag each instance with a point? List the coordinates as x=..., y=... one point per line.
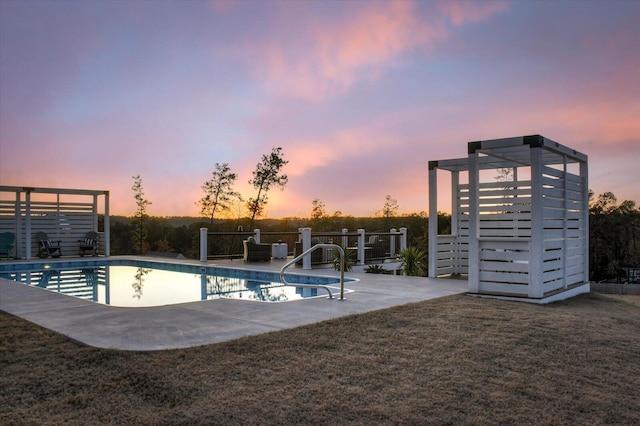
x=455, y=360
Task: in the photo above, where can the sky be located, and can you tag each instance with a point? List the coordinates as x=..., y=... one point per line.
x=360, y=95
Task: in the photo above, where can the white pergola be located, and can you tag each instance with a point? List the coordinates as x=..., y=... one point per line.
x=522, y=237
x=66, y=215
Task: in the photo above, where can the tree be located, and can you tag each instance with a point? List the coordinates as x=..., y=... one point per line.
x=318, y=210
x=605, y=203
x=218, y=192
x=613, y=235
x=390, y=208
x=505, y=174
x=266, y=175
x=140, y=216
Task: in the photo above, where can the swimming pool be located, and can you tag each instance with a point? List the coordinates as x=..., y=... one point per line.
x=142, y=283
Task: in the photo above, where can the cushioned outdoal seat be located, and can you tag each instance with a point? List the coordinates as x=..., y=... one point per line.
x=254, y=252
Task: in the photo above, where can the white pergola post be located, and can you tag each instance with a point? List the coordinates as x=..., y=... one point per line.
x=474, y=222
x=18, y=224
x=27, y=212
x=536, y=245
x=433, y=218
x=107, y=226
x=455, y=194
x=584, y=175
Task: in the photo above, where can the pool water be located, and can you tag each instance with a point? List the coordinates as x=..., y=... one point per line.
x=145, y=284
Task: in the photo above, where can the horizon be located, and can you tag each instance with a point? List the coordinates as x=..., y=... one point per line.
x=359, y=95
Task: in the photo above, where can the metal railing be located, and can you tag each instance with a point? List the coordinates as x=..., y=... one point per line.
x=369, y=247
x=315, y=247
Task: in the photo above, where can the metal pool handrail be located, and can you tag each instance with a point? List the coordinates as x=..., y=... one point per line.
x=317, y=246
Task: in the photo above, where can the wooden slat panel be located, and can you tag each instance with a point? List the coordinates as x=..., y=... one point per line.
x=575, y=269
x=445, y=256
x=575, y=279
x=553, y=203
x=574, y=186
x=511, y=255
x=546, y=170
x=519, y=192
x=552, y=285
x=507, y=232
x=551, y=182
x=491, y=185
x=503, y=277
x=577, y=252
x=494, y=266
x=505, y=289
x=553, y=192
x=552, y=276
x=501, y=221
x=504, y=244
x=550, y=265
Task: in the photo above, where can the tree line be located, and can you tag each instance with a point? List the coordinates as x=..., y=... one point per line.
x=614, y=237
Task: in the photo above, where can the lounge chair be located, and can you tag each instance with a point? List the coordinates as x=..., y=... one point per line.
x=48, y=247
x=89, y=243
x=7, y=241
x=254, y=252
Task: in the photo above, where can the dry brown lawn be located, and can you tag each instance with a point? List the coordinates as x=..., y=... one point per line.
x=455, y=360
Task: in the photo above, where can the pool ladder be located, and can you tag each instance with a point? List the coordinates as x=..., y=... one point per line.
x=315, y=247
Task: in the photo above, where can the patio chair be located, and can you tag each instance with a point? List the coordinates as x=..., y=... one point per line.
x=48, y=247
x=254, y=252
x=89, y=244
x=7, y=241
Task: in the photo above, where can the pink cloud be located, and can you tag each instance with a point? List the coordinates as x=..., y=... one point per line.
x=222, y=6
x=331, y=55
x=461, y=12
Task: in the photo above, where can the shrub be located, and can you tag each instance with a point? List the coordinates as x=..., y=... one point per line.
x=349, y=259
x=412, y=262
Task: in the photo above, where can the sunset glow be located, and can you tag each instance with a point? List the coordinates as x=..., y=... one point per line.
x=360, y=95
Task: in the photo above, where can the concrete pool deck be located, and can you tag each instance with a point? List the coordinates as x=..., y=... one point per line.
x=211, y=321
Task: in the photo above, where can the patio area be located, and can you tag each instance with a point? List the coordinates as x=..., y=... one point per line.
x=212, y=321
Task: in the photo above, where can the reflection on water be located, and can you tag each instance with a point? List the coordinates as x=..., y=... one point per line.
x=113, y=285
x=139, y=282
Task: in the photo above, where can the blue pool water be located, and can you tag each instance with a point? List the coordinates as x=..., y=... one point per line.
x=137, y=283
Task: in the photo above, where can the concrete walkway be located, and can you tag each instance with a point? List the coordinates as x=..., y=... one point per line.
x=201, y=323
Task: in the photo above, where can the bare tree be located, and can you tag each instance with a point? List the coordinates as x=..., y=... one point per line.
x=218, y=192
x=505, y=174
x=390, y=208
x=266, y=175
x=140, y=216
x=318, y=209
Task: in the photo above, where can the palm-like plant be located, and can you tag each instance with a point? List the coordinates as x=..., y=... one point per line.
x=412, y=262
x=349, y=259
x=375, y=269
